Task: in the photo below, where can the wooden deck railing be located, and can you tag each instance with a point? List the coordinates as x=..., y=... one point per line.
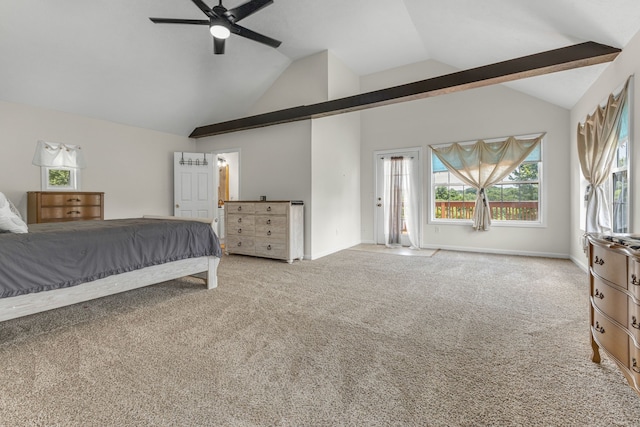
x=518, y=211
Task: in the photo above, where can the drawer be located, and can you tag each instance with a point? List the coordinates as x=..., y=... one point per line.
x=237, y=220
x=634, y=320
x=240, y=230
x=634, y=363
x=70, y=213
x=54, y=199
x=270, y=249
x=240, y=207
x=611, y=301
x=279, y=221
x=237, y=245
x=633, y=283
x=271, y=209
x=273, y=235
x=611, y=337
x=610, y=265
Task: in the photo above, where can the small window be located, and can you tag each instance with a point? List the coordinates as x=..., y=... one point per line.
x=60, y=179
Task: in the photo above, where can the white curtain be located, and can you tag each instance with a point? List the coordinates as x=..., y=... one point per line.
x=482, y=164
x=597, y=144
x=53, y=154
x=401, y=193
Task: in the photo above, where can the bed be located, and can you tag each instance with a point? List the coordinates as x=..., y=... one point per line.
x=58, y=264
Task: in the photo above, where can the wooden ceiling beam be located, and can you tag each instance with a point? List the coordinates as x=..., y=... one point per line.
x=566, y=58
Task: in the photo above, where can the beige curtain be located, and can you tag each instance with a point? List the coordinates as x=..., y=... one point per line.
x=400, y=200
x=483, y=164
x=394, y=193
x=597, y=144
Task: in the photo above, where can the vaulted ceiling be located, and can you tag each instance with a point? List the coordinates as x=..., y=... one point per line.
x=105, y=59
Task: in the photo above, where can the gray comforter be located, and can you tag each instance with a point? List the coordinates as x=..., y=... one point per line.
x=58, y=255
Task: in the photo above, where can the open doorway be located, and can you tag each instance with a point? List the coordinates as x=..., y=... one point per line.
x=228, y=183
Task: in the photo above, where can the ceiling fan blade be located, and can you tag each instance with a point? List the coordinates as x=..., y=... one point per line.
x=179, y=21
x=206, y=9
x=247, y=33
x=218, y=46
x=246, y=9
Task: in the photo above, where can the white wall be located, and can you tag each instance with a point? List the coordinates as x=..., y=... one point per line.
x=132, y=166
x=304, y=82
x=335, y=183
x=342, y=82
x=488, y=112
x=625, y=65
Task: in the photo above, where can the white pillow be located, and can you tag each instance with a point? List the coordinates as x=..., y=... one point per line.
x=9, y=221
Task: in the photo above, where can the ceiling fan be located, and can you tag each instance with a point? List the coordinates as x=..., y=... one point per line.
x=222, y=22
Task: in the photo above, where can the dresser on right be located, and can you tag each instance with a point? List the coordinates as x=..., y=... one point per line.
x=614, y=282
x=273, y=229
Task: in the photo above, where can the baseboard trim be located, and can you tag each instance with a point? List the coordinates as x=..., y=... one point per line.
x=498, y=251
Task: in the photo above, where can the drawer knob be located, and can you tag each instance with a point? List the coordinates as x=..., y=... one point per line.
x=634, y=280
x=239, y=230
x=239, y=219
x=634, y=322
x=634, y=367
x=598, y=294
x=73, y=212
x=268, y=222
x=269, y=233
x=239, y=208
x=73, y=200
x=598, y=261
x=599, y=328
x=268, y=247
x=268, y=208
x=239, y=243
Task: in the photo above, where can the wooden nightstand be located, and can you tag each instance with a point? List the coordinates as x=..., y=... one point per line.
x=58, y=206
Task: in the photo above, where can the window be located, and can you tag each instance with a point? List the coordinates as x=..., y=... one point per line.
x=619, y=186
x=514, y=200
x=60, y=178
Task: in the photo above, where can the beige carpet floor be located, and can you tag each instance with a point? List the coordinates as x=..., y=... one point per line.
x=352, y=339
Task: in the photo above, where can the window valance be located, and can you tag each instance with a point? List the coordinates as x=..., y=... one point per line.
x=54, y=154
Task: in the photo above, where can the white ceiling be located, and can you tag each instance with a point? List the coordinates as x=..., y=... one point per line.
x=105, y=59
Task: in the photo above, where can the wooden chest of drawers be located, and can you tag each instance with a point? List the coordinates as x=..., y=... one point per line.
x=55, y=206
x=265, y=229
x=614, y=282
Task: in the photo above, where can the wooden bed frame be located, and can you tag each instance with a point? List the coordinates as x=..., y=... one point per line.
x=23, y=305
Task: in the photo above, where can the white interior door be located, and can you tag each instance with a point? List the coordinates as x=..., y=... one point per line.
x=380, y=199
x=195, y=185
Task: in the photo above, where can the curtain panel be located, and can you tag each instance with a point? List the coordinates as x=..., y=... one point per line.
x=597, y=145
x=483, y=164
x=400, y=194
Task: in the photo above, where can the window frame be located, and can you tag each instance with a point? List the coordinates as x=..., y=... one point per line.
x=540, y=222
x=615, y=169
x=74, y=178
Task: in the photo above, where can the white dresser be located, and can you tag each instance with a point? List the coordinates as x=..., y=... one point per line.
x=265, y=229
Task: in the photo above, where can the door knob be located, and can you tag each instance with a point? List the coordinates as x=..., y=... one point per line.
x=177, y=206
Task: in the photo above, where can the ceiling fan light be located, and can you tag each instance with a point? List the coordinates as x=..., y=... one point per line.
x=219, y=31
